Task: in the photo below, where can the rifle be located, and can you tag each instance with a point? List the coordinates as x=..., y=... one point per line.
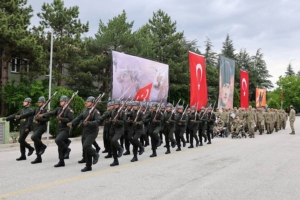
x=196, y=111
x=94, y=107
x=174, y=109
x=45, y=104
x=69, y=102
x=212, y=110
x=158, y=110
x=137, y=114
x=147, y=107
x=184, y=111
x=121, y=109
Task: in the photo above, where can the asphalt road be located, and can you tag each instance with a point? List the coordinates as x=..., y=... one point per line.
x=266, y=167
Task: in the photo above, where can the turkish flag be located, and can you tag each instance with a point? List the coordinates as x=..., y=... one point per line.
x=143, y=93
x=198, y=86
x=244, y=89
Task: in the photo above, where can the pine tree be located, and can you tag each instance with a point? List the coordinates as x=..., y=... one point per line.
x=210, y=56
x=290, y=71
x=228, y=49
x=16, y=40
x=67, y=31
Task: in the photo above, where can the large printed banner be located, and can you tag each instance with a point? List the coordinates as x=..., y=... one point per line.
x=138, y=78
x=261, y=98
x=198, y=86
x=226, y=84
x=244, y=89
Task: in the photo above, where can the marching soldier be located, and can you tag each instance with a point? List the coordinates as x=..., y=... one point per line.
x=292, y=119
x=169, y=127
x=193, y=121
x=202, y=126
x=154, y=128
x=250, y=121
x=283, y=118
x=180, y=127
x=106, y=128
x=260, y=117
x=268, y=121
x=39, y=127
x=25, y=128
x=89, y=133
x=187, y=131
x=211, y=118
x=128, y=128
x=136, y=120
x=117, y=119
x=63, y=129
x=145, y=136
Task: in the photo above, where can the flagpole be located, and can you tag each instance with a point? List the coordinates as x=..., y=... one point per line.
x=50, y=83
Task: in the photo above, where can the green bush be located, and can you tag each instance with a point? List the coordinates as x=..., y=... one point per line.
x=273, y=104
x=77, y=106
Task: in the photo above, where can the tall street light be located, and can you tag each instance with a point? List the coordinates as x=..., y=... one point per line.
x=50, y=83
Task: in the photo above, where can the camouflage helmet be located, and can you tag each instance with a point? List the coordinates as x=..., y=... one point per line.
x=179, y=107
x=169, y=105
x=63, y=98
x=117, y=102
x=90, y=99
x=27, y=100
x=41, y=99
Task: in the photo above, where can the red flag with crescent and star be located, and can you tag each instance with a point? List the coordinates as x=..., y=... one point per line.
x=143, y=93
x=198, y=86
x=244, y=89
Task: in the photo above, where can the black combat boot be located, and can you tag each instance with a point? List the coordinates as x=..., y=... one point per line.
x=98, y=149
x=178, y=149
x=153, y=154
x=108, y=155
x=37, y=160
x=115, y=163
x=61, y=163
x=86, y=169
x=134, y=159
x=96, y=158
x=201, y=144
x=105, y=151
x=191, y=146
x=209, y=142
x=184, y=143
x=173, y=144
x=121, y=150
x=67, y=153
x=42, y=150
x=22, y=157
x=126, y=153
x=30, y=151
x=205, y=138
x=82, y=160
x=168, y=151
x=142, y=150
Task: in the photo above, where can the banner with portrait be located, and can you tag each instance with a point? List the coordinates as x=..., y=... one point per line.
x=138, y=78
x=226, y=82
x=261, y=98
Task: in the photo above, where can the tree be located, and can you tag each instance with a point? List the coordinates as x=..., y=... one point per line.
x=16, y=40
x=228, y=49
x=290, y=71
x=171, y=47
x=67, y=31
x=210, y=56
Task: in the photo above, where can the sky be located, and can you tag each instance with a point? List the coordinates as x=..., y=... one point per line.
x=270, y=25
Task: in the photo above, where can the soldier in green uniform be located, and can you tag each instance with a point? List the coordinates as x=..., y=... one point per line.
x=187, y=130
x=260, y=121
x=169, y=127
x=128, y=128
x=39, y=127
x=193, y=121
x=25, y=128
x=63, y=129
x=180, y=127
x=237, y=126
x=268, y=121
x=283, y=118
x=250, y=121
x=219, y=124
x=292, y=118
x=202, y=126
x=117, y=119
x=211, y=118
x=136, y=120
x=90, y=129
x=106, y=128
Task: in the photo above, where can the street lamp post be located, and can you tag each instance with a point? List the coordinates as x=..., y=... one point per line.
x=50, y=83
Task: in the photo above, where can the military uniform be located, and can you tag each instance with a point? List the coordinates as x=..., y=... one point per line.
x=211, y=118
x=193, y=121
x=202, y=126
x=25, y=128
x=219, y=124
x=39, y=128
x=180, y=127
x=169, y=128
x=90, y=131
x=268, y=121
x=128, y=128
x=250, y=120
x=260, y=116
x=292, y=118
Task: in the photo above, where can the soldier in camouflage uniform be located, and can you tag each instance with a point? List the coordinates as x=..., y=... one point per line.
x=268, y=121
x=250, y=121
x=219, y=124
x=260, y=121
x=292, y=118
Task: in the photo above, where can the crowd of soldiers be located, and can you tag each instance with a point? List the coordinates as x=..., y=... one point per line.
x=137, y=124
